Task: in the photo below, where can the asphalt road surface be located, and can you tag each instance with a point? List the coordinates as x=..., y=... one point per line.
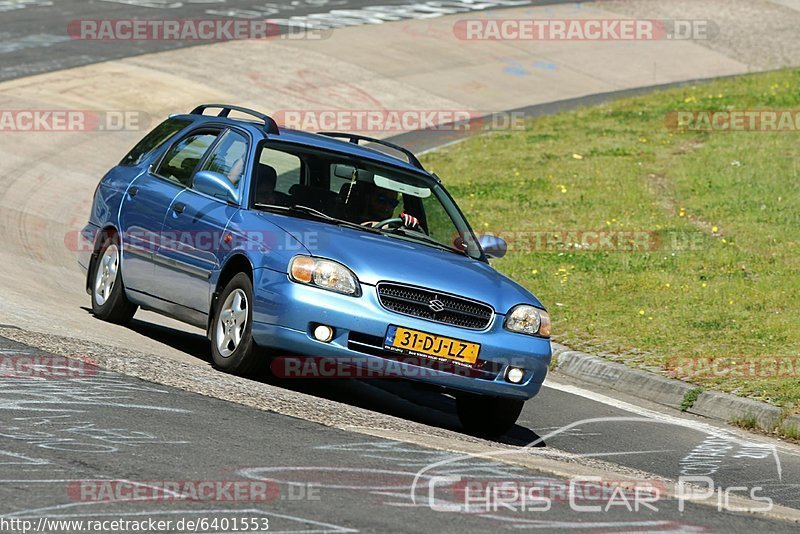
x=40, y=35
x=625, y=431
x=98, y=446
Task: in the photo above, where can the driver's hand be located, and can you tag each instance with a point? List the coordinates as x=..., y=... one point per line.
x=409, y=220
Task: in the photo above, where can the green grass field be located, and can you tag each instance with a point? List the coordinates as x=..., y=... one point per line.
x=720, y=212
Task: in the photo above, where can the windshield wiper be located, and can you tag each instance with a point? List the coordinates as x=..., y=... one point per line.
x=297, y=208
x=424, y=238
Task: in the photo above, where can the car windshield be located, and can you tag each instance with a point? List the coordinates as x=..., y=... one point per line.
x=338, y=189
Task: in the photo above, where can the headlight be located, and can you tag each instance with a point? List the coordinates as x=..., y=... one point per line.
x=528, y=320
x=325, y=274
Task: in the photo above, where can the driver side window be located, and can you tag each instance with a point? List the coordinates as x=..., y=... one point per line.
x=180, y=162
x=229, y=157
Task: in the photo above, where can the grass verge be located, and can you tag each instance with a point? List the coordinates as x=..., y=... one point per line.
x=716, y=215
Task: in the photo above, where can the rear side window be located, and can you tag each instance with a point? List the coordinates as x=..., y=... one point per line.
x=180, y=162
x=153, y=140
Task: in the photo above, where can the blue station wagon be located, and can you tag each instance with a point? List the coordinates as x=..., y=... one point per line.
x=332, y=245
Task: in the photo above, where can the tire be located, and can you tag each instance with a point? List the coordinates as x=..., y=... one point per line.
x=232, y=347
x=488, y=417
x=109, y=301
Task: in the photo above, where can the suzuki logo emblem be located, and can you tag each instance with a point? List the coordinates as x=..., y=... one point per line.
x=436, y=305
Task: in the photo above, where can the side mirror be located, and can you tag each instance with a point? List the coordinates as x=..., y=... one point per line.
x=493, y=247
x=216, y=185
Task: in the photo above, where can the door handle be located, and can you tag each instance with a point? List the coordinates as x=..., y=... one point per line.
x=179, y=207
x=133, y=191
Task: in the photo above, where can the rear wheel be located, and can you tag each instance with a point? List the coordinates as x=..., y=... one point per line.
x=109, y=302
x=487, y=416
x=232, y=346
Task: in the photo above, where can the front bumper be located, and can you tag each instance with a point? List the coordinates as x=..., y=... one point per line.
x=285, y=313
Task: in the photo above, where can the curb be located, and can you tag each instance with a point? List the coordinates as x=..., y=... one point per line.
x=791, y=426
x=600, y=372
x=673, y=393
x=730, y=408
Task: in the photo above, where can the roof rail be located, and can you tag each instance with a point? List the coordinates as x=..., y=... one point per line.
x=269, y=123
x=355, y=138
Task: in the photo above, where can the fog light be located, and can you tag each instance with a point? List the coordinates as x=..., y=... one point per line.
x=323, y=333
x=515, y=375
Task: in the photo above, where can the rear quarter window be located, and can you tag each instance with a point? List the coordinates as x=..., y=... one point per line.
x=153, y=140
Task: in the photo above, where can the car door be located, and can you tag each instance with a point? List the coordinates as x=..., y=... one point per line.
x=142, y=213
x=146, y=204
x=194, y=228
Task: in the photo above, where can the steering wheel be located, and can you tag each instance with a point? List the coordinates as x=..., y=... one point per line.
x=395, y=222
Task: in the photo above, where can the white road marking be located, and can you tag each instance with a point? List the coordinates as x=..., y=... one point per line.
x=699, y=426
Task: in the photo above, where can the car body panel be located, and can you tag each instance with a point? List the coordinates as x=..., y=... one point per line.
x=190, y=249
x=390, y=259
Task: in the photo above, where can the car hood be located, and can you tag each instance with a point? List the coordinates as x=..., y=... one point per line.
x=376, y=258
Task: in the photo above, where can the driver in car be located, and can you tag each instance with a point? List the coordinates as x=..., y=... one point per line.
x=380, y=206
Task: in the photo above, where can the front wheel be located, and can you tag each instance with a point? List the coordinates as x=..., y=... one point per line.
x=487, y=416
x=232, y=347
x=109, y=302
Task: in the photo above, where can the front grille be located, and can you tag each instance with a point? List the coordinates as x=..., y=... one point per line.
x=434, y=306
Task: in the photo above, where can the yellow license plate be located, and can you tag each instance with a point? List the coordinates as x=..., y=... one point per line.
x=415, y=342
